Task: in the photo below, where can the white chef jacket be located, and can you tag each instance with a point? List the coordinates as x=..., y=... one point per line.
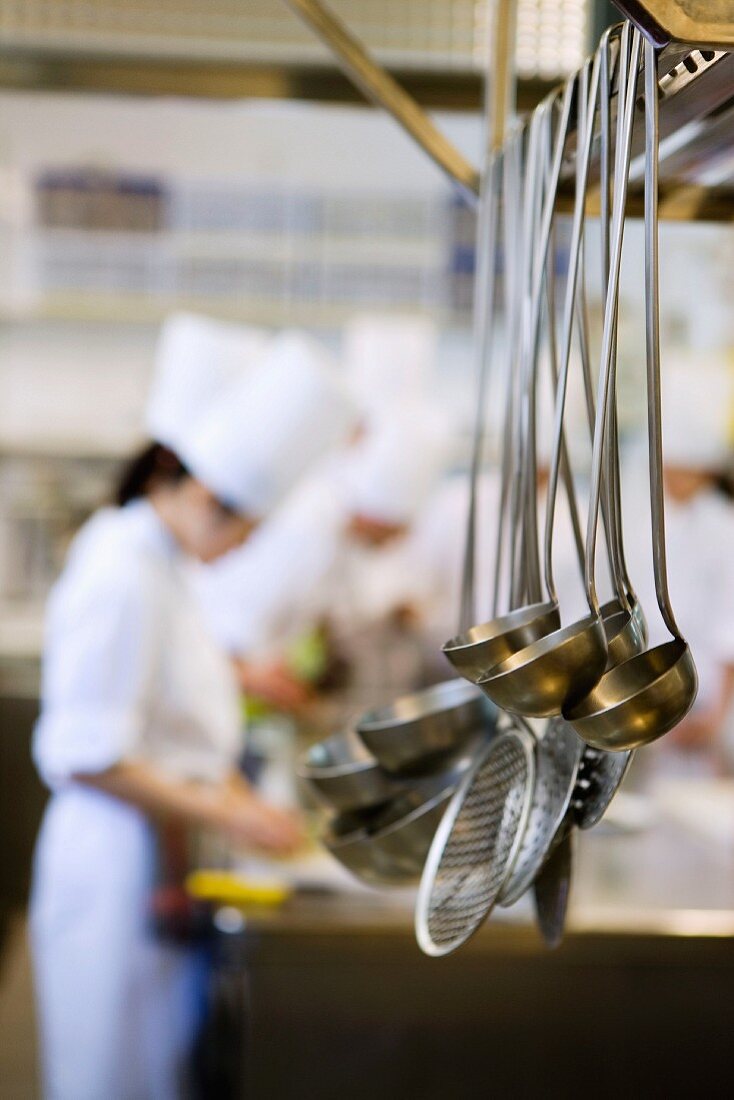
x=700, y=553
x=303, y=566
x=700, y=542
x=129, y=672
x=270, y=590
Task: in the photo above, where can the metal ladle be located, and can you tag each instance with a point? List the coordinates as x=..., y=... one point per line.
x=601, y=773
x=476, y=647
x=491, y=643
x=539, y=679
x=647, y=695
x=426, y=715
x=623, y=617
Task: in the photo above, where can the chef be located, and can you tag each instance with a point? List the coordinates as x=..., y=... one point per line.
x=344, y=551
x=360, y=504
x=140, y=712
x=698, y=405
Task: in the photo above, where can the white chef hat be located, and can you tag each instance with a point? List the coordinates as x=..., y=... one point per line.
x=388, y=359
x=394, y=468
x=698, y=403
x=196, y=358
x=258, y=437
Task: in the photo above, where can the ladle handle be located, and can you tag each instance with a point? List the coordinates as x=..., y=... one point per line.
x=581, y=312
x=531, y=329
x=510, y=185
x=566, y=471
x=527, y=572
x=620, y=575
x=586, y=128
x=483, y=312
x=652, y=335
x=517, y=505
x=629, y=64
x=610, y=496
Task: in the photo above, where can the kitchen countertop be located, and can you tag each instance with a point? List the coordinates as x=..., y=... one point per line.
x=661, y=878
x=637, y=1000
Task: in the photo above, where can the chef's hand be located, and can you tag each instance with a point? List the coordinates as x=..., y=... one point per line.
x=252, y=823
x=273, y=683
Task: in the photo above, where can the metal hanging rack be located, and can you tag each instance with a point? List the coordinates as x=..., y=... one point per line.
x=696, y=86
x=695, y=39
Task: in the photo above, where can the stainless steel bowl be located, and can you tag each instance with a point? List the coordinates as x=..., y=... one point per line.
x=416, y=731
x=345, y=775
x=388, y=847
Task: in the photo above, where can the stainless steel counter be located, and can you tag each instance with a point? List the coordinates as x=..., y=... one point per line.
x=658, y=879
x=638, y=1000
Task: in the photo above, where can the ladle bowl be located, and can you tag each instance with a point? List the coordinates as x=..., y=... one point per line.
x=417, y=730
x=638, y=701
x=389, y=847
x=555, y=671
x=626, y=631
x=481, y=648
x=344, y=775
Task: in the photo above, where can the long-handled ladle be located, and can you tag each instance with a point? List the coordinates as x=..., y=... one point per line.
x=647, y=695
x=539, y=679
x=493, y=642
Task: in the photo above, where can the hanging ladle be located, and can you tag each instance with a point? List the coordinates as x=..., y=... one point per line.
x=540, y=679
x=600, y=773
x=623, y=617
x=474, y=651
x=649, y=694
x=476, y=647
x=445, y=714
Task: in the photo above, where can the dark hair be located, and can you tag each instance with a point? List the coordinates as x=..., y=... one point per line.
x=154, y=465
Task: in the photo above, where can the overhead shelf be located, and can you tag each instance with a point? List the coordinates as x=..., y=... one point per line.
x=29, y=69
x=697, y=138
x=432, y=47
x=226, y=49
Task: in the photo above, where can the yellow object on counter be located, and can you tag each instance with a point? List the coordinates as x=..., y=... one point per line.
x=229, y=888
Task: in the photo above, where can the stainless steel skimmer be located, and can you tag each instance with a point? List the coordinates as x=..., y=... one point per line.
x=599, y=777
x=476, y=844
x=557, y=764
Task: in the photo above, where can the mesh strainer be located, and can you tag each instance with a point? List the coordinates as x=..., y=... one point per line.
x=476, y=844
x=558, y=757
x=599, y=778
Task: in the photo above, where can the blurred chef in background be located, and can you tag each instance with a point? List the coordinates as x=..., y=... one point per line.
x=698, y=407
x=381, y=591
x=140, y=716
x=697, y=451
x=341, y=551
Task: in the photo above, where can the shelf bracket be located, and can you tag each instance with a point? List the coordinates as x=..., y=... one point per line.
x=698, y=24
x=381, y=88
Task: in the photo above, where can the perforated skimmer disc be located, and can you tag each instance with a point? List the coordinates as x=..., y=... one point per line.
x=476, y=844
x=558, y=757
x=599, y=778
